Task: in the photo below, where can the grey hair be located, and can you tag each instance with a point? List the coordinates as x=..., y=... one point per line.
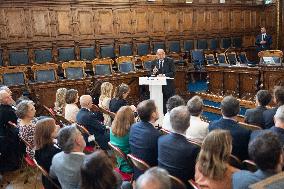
x=66, y=138
x=280, y=113
x=179, y=118
x=4, y=87
x=157, y=177
x=22, y=108
x=195, y=106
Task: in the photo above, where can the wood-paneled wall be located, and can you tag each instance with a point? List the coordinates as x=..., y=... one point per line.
x=25, y=24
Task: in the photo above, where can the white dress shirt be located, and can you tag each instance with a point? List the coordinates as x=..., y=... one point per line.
x=197, y=130
x=166, y=122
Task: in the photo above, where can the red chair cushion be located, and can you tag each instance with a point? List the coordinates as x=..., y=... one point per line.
x=125, y=176
x=30, y=161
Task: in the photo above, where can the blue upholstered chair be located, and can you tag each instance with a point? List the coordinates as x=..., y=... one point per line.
x=19, y=57
x=125, y=64
x=102, y=66
x=226, y=43
x=174, y=46
x=143, y=49
x=74, y=69
x=210, y=59
x=188, y=45
x=107, y=51
x=213, y=44
x=237, y=42
x=158, y=45
x=125, y=50
x=232, y=58
x=197, y=58
x=87, y=53
x=1, y=58
x=43, y=56
x=202, y=44
x=45, y=72
x=221, y=58
x=276, y=55
x=66, y=54
x=13, y=75
x=147, y=61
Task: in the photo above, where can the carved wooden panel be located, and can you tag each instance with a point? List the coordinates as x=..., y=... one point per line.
x=237, y=21
x=215, y=81
x=187, y=20
x=141, y=21
x=3, y=33
x=158, y=21
x=226, y=19
x=124, y=21
x=214, y=20
x=41, y=22
x=64, y=21
x=200, y=20
x=248, y=84
x=15, y=23
x=85, y=18
x=105, y=21
x=248, y=25
x=173, y=20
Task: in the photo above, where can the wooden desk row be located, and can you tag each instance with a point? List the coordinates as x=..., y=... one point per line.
x=243, y=82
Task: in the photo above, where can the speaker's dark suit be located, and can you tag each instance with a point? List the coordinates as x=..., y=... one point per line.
x=167, y=68
x=143, y=140
x=268, y=116
x=255, y=117
x=177, y=156
x=90, y=120
x=266, y=46
x=240, y=136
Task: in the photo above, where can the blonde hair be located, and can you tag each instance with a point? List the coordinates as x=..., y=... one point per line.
x=43, y=132
x=215, y=153
x=60, y=101
x=106, y=90
x=123, y=120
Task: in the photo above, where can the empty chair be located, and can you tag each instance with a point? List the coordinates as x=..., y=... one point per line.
x=237, y=42
x=226, y=43
x=210, y=59
x=43, y=56
x=202, y=44
x=213, y=44
x=87, y=53
x=221, y=58
x=13, y=75
x=244, y=60
x=107, y=51
x=125, y=50
x=18, y=57
x=232, y=58
x=197, y=57
x=158, y=45
x=102, y=66
x=125, y=64
x=66, y=54
x=143, y=48
x=174, y=47
x=45, y=72
x=147, y=61
x=74, y=69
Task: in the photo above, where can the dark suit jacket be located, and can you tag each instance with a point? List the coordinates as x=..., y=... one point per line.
x=242, y=179
x=255, y=117
x=169, y=70
x=44, y=157
x=268, y=116
x=7, y=113
x=240, y=136
x=115, y=104
x=266, y=46
x=177, y=156
x=143, y=140
x=90, y=120
x=277, y=130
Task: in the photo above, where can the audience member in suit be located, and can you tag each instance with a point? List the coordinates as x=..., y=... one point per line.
x=198, y=129
x=254, y=116
x=278, y=98
x=154, y=178
x=45, y=133
x=230, y=108
x=71, y=108
x=119, y=135
x=172, y=102
x=66, y=165
x=278, y=129
x=266, y=151
x=212, y=168
x=175, y=153
x=60, y=101
x=143, y=137
x=90, y=120
x=25, y=112
x=164, y=67
x=263, y=40
x=9, y=141
x=97, y=173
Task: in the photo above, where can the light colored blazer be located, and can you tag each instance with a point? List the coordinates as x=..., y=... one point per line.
x=197, y=130
x=71, y=111
x=66, y=168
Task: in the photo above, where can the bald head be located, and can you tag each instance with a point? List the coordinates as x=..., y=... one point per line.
x=5, y=98
x=86, y=101
x=160, y=54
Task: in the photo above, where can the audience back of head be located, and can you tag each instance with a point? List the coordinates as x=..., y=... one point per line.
x=263, y=97
x=279, y=117
x=154, y=178
x=279, y=95
x=195, y=106
x=180, y=118
x=71, y=96
x=174, y=101
x=146, y=109
x=230, y=106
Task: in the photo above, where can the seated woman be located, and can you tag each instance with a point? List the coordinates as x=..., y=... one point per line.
x=25, y=112
x=45, y=148
x=97, y=173
x=121, y=94
x=60, y=102
x=212, y=168
x=119, y=137
x=106, y=93
x=71, y=108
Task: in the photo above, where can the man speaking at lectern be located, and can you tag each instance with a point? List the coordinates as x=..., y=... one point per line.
x=263, y=40
x=164, y=67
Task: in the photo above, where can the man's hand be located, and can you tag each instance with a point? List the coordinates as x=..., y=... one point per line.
x=263, y=42
x=161, y=75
